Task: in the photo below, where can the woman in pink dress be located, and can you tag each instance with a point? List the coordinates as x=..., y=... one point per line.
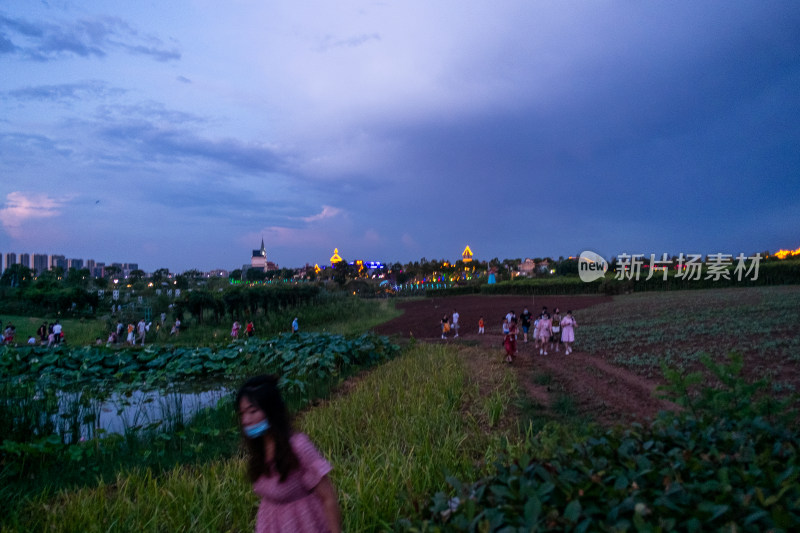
x=286, y=470
x=545, y=330
x=568, y=325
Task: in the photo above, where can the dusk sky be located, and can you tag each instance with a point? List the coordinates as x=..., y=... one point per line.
x=178, y=134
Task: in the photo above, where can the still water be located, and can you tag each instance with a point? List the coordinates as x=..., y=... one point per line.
x=138, y=410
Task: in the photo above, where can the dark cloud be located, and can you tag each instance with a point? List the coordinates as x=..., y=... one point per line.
x=147, y=111
x=173, y=145
x=15, y=145
x=155, y=53
x=183, y=79
x=95, y=37
x=6, y=46
x=67, y=91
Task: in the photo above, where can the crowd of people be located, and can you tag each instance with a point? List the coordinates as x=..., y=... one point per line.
x=549, y=332
x=46, y=335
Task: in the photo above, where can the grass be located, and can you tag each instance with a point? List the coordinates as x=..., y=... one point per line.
x=76, y=330
x=343, y=315
x=393, y=437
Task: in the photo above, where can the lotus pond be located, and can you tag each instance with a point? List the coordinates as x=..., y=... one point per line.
x=97, y=404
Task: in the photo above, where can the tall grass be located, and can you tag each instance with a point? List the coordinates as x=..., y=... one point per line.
x=336, y=313
x=76, y=330
x=393, y=439
x=333, y=313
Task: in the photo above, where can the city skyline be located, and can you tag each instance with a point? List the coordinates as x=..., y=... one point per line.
x=178, y=135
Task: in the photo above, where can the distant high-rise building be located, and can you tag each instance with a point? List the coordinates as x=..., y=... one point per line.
x=59, y=261
x=77, y=264
x=11, y=259
x=98, y=270
x=25, y=260
x=41, y=263
x=90, y=264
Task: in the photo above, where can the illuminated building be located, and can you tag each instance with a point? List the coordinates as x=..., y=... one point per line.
x=259, y=259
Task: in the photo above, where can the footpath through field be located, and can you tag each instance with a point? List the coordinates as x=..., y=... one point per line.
x=606, y=393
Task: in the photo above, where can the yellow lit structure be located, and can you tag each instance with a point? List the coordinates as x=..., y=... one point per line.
x=466, y=255
x=335, y=257
x=783, y=254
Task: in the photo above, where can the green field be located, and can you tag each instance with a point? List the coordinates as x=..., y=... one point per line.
x=348, y=315
x=640, y=331
x=435, y=422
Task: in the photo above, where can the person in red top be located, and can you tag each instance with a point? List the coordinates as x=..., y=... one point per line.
x=510, y=342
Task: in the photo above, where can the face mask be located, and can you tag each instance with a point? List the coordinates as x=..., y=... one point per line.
x=256, y=430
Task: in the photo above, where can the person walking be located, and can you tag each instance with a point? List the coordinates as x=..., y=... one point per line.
x=455, y=323
x=568, y=325
x=286, y=470
x=295, y=325
x=58, y=333
x=235, y=329
x=445, y=326
x=525, y=318
x=480, y=326
x=510, y=342
x=545, y=330
x=141, y=328
x=555, y=338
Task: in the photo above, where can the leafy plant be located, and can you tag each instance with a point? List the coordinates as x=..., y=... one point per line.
x=719, y=465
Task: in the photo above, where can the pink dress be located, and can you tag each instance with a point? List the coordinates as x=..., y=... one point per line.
x=291, y=506
x=544, y=329
x=567, y=333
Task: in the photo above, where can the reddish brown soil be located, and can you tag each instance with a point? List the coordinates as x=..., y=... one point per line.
x=605, y=393
x=422, y=318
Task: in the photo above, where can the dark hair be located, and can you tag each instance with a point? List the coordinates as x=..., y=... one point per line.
x=262, y=391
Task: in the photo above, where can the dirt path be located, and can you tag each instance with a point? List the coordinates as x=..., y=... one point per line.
x=606, y=393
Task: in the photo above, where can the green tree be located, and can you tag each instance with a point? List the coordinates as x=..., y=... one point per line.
x=256, y=274
x=17, y=276
x=112, y=271
x=343, y=272
x=162, y=274
x=198, y=301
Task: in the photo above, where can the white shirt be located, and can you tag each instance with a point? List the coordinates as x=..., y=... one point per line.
x=455, y=318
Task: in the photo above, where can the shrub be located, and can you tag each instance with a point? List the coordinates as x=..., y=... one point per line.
x=720, y=464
